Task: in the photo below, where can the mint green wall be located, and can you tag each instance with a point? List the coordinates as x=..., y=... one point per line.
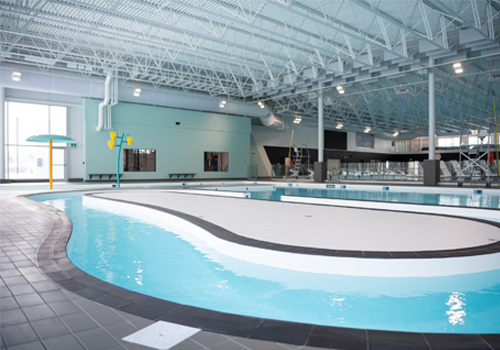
x=179, y=148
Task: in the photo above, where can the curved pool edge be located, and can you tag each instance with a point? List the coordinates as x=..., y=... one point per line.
x=226, y=235
x=52, y=259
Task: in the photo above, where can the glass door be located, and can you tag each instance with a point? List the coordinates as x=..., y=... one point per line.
x=28, y=160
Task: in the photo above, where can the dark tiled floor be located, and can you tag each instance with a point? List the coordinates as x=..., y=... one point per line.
x=36, y=314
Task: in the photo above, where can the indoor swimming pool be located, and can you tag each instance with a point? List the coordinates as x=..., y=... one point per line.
x=475, y=200
x=169, y=263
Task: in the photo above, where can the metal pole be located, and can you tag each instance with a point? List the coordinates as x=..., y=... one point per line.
x=118, y=161
x=321, y=129
x=289, y=154
x=50, y=163
x=2, y=133
x=432, y=110
x=496, y=137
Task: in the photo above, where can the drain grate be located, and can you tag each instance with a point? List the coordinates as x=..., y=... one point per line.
x=161, y=335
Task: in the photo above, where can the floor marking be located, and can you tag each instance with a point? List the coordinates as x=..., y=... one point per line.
x=161, y=335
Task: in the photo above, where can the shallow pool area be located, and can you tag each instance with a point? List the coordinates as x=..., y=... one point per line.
x=390, y=194
x=170, y=264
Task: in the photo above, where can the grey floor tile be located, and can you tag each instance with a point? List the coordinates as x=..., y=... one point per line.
x=65, y=307
x=26, y=300
x=188, y=344
x=54, y=296
x=21, y=289
x=36, y=278
x=18, y=334
x=28, y=346
x=79, y=322
x=121, y=329
x=8, y=303
x=64, y=342
x=229, y=345
x=44, y=286
x=295, y=347
x=209, y=339
x=255, y=344
x=15, y=251
x=11, y=317
x=7, y=266
x=14, y=281
x=140, y=322
x=72, y=295
x=29, y=270
x=24, y=263
x=126, y=315
x=133, y=346
x=4, y=292
x=11, y=273
x=38, y=312
x=18, y=257
x=105, y=316
x=87, y=304
x=49, y=328
x=96, y=339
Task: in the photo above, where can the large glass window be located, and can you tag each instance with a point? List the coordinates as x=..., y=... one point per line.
x=448, y=141
x=29, y=160
x=139, y=160
x=216, y=161
x=473, y=140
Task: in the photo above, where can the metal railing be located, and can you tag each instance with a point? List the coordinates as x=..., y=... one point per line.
x=451, y=171
x=281, y=171
x=386, y=171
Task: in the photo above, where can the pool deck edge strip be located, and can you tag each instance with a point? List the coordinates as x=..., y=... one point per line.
x=52, y=259
x=227, y=235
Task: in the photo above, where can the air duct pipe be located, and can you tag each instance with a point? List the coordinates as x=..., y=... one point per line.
x=76, y=85
x=114, y=100
x=272, y=121
x=107, y=87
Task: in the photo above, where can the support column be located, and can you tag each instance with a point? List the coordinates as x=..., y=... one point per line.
x=432, y=110
x=320, y=165
x=431, y=166
x=2, y=133
x=321, y=129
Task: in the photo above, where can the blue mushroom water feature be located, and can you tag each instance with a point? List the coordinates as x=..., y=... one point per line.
x=50, y=138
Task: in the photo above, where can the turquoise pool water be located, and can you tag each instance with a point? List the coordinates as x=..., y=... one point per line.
x=148, y=259
x=472, y=200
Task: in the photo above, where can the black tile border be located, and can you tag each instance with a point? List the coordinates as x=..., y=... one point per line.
x=52, y=254
x=230, y=236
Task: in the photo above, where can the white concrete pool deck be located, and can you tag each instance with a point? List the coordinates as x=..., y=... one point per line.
x=324, y=227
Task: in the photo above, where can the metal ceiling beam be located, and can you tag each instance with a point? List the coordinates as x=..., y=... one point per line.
x=185, y=44
x=105, y=30
x=323, y=19
x=169, y=74
x=79, y=5
x=418, y=105
x=389, y=18
x=273, y=36
x=93, y=47
x=475, y=26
